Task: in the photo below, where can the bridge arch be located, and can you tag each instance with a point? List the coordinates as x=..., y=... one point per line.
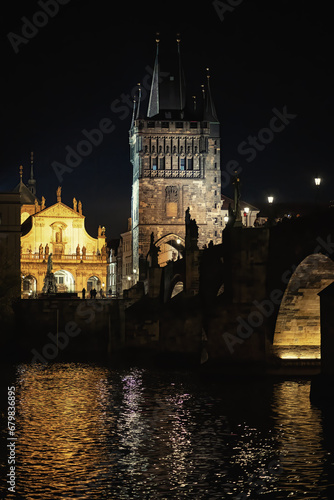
x=297, y=330
x=171, y=246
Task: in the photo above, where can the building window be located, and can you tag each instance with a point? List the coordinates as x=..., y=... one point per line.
x=162, y=163
x=151, y=124
x=215, y=233
x=215, y=179
x=179, y=124
x=190, y=164
x=164, y=124
x=154, y=163
x=215, y=151
x=215, y=220
x=182, y=163
x=193, y=124
x=215, y=165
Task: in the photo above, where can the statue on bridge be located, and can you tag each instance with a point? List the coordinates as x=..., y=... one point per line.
x=153, y=253
x=191, y=232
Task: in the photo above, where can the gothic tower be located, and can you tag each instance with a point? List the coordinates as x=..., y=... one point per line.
x=175, y=153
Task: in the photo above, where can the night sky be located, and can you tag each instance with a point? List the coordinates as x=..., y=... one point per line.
x=262, y=55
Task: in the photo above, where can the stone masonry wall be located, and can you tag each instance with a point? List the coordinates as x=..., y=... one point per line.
x=297, y=332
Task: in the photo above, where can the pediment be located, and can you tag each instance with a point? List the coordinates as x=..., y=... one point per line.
x=59, y=210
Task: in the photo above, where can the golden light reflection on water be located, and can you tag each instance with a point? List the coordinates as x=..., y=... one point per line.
x=300, y=432
x=61, y=427
x=91, y=433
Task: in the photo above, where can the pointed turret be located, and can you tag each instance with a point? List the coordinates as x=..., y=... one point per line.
x=154, y=104
x=139, y=102
x=209, y=114
x=32, y=181
x=182, y=84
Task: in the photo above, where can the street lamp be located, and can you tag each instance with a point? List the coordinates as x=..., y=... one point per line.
x=317, y=182
x=270, y=217
x=246, y=212
x=226, y=219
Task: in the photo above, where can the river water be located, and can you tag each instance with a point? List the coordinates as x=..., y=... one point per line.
x=90, y=432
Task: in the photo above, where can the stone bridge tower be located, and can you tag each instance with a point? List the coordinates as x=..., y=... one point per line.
x=175, y=153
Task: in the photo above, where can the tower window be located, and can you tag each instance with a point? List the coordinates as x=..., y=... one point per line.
x=162, y=163
x=154, y=163
x=179, y=124
x=164, y=124
x=190, y=164
x=215, y=165
x=182, y=163
x=193, y=124
x=215, y=179
x=151, y=124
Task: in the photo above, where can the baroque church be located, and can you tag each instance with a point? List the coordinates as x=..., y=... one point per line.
x=79, y=260
x=175, y=154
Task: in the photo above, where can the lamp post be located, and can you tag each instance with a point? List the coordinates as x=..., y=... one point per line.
x=246, y=212
x=178, y=242
x=270, y=216
x=317, y=182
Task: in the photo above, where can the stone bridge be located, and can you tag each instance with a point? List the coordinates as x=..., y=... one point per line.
x=259, y=290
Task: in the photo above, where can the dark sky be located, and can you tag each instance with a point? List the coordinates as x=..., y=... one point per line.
x=262, y=55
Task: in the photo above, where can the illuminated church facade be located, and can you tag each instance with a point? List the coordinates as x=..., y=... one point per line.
x=175, y=154
x=79, y=260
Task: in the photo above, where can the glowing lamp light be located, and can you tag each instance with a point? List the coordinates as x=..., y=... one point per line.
x=246, y=210
x=178, y=241
x=134, y=271
x=270, y=199
x=317, y=181
x=129, y=278
x=226, y=219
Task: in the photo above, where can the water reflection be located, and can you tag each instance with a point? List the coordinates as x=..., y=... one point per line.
x=88, y=432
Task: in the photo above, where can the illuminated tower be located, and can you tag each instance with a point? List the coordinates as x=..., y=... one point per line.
x=175, y=153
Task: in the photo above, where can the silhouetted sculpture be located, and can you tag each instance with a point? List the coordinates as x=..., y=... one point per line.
x=153, y=252
x=49, y=280
x=191, y=232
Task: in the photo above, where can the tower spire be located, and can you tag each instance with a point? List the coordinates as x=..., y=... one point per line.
x=32, y=181
x=153, y=105
x=139, y=101
x=133, y=113
x=181, y=77
x=32, y=165
x=209, y=108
